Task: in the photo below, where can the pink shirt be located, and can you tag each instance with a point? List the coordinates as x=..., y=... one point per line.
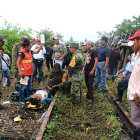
x=134, y=81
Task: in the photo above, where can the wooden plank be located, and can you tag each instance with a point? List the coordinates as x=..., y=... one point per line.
x=42, y=128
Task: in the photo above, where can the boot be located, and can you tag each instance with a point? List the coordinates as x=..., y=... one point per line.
x=119, y=97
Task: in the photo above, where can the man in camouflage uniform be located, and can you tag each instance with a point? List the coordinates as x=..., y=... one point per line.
x=15, y=51
x=58, y=80
x=2, y=40
x=75, y=72
x=59, y=51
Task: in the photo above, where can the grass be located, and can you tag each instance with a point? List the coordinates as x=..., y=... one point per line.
x=97, y=121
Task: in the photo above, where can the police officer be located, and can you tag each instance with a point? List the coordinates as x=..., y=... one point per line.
x=75, y=73
x=2, y=40
x=15, y=51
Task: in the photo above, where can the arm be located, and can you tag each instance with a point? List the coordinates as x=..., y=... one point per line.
x=106, y=63
x=38, y=50
x=64, y=80
x=122, y=70
x=19, y=66
x=60, y=59
x=95, y=65
x=9, y=62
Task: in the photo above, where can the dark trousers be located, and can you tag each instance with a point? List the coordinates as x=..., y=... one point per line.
x=123, y=84
x=48, y=63
x=89, y=83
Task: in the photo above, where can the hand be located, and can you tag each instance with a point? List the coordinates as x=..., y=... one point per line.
x=91, y=73
x=49, y=88
x=20, y=74
x=55, y=86
x=41, y=46
x=123, y=77
x=104, y=69
x=60, y=59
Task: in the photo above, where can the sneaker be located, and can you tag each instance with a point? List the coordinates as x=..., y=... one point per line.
x=103, y=91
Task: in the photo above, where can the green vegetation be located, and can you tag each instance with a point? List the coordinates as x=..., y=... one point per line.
x=96, y=121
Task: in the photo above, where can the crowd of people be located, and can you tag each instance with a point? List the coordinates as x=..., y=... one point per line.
x=69, y=68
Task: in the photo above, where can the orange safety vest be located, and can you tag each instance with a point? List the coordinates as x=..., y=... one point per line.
x=27, y=63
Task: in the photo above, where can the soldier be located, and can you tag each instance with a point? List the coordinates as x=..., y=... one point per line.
x=59, y=51
x=75, y=72
x=58, y=80
x=15, y=51
x=2, y=40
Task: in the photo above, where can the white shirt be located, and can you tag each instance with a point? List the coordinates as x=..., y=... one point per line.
x=40, y=54
x=132, y=63
x=43, y=93
x=134, y=81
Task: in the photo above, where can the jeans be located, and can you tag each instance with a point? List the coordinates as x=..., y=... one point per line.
x=7, y=74
x=35, y=66
x=27, y=87
x=100, y=75
x=57, y=61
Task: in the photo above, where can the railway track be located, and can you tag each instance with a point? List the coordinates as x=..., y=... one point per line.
x=125, y=117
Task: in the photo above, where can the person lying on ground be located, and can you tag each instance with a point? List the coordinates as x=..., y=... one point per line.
x=40, y=96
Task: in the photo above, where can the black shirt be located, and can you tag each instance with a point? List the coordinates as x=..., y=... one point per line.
x=22, y=55
x=114, y=58
x=49, y=53
x=91, y=54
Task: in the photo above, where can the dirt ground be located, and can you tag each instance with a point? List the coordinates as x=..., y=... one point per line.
x=28, y=125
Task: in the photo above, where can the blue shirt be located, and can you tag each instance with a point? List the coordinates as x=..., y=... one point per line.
x=103, y=52
x=4, y=65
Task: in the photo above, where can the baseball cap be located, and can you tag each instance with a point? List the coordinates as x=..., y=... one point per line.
x=23, y=37
x=2, y=38
x=56, y=38
x=137, y=34
x=38, y=40
x=89, y=42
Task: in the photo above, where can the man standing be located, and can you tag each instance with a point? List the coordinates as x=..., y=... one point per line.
x=89, y=69
x=103, y=60
x=5, y=68
x=67, y=57
x=59, y=51
x=48, y=56
x=75, y=72
x=2, y=40
x=114, y=62
x=38, y=60
x=133, y=92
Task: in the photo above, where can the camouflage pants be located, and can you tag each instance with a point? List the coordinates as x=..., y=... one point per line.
x=76, y=92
